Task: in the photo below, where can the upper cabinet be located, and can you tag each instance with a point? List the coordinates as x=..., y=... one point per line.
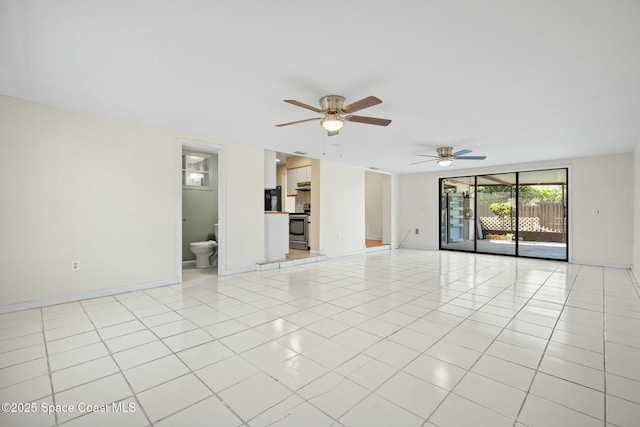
x=305, y=174
x=296, y=175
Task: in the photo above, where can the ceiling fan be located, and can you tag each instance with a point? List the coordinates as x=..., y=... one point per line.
x=335, y=113
x=446, y=156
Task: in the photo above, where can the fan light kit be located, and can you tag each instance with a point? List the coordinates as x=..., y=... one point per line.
x=446, y=156
x=332, y=123
x=335, y=113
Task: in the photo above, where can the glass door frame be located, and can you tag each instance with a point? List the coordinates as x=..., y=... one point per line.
x=565, y=217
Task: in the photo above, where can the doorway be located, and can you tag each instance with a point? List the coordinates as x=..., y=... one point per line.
x=203, y=175
x=377, y=209
x=517, y=214
x=199, y=199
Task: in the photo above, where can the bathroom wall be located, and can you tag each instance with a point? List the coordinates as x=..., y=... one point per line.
x=199, y=209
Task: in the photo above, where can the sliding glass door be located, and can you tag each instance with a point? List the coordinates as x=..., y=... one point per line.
x=542, y=214
x=457, y=225
x=497, y=213
x=518, y=214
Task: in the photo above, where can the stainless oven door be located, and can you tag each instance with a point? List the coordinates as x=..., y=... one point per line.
x=297, y=229
x=298, y=232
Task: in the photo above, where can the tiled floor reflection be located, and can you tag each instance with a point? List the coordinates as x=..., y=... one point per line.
x=392, y=338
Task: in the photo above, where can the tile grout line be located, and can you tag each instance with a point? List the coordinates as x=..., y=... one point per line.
x=46, y=350
x=385, y=286
x=537, y=370
x=544, y=351
x=116, y=363
x=371, y=392
x=604, y=343
x=184, y=375
x=485, y=353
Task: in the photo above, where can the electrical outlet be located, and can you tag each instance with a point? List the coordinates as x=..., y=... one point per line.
x=417, y=231
x=75, y=265
x=595, y=212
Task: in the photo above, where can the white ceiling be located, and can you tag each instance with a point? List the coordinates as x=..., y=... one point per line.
x=514, y=80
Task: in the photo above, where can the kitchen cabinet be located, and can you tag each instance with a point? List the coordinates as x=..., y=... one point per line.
x=292, y=183
x=296, y=175
x=305, y=174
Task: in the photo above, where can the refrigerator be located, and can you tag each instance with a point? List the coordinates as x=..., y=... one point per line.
x=273, y=199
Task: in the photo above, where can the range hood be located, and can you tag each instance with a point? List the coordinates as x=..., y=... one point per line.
x=304, y=186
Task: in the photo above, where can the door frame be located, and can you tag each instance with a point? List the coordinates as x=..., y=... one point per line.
x=185, y=144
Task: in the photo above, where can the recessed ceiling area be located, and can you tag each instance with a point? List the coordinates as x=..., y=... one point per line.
x=515, y=81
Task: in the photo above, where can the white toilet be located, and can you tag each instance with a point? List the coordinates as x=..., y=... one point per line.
x=206, y=252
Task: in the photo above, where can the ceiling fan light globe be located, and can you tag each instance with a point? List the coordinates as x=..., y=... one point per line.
x=445, y=162
x=332, y=123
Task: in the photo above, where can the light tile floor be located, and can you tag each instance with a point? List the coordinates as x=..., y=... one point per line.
x=393, y=338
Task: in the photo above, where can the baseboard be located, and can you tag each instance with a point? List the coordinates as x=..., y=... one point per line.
x=378, y=248
x=8, y=308
x=634, y=280
x=230, y=272
x=600, y=264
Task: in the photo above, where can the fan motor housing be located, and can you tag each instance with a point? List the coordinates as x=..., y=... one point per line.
x=332, y=103
x=445, y=152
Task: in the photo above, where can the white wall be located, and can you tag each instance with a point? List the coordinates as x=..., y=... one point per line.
x=603, y=183
x=341, y=215
x=418, y=201
x=105, y=192
x=636, y=213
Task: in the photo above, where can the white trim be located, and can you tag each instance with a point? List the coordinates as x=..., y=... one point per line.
x=84, y=296
x=634, y=280
x=343, y=254
x=210, y=148
x=601, y=264
x=238, y=270
x=385, y=247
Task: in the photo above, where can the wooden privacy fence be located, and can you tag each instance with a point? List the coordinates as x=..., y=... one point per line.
x=551, y=214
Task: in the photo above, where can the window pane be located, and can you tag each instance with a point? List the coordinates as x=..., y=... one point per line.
x=497, y=211
x=196, y=170
x=457, y=221
x=542, y=222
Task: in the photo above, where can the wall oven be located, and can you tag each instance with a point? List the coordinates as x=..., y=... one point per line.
x=299, y=231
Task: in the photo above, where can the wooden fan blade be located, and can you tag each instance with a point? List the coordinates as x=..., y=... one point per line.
x=427, y=155
x=423, y=161
x=461, y=153
x=296, y=122
x=471, y=158
x=303, y=105
x=367, y=102
x=369, y=120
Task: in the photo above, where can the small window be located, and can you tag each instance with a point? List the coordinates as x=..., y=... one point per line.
x=195, y=170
